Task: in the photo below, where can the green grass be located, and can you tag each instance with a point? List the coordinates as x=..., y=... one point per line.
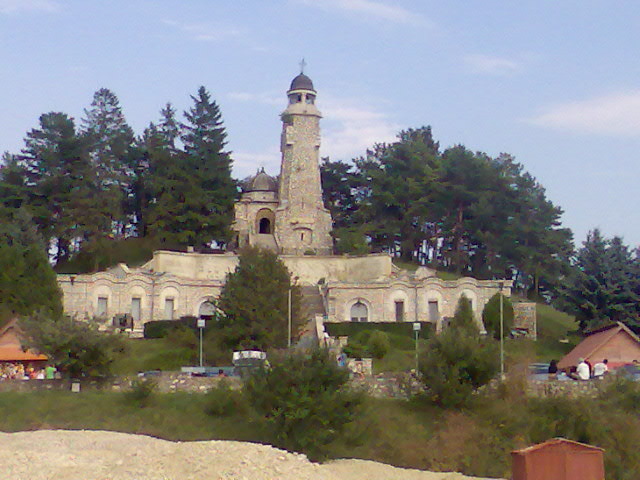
x=177, y=416
x=141, y=355
x=416, y=434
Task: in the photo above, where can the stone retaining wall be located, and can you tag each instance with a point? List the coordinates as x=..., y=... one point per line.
x=568, y=388
x=168, y=382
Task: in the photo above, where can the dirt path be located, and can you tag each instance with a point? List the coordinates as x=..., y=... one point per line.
x=98, y=455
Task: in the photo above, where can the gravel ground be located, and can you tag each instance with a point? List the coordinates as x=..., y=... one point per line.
x=98, y=455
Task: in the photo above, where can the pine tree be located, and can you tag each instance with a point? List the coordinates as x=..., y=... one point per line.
x=603, y=285
x=64, y=194
x=254, y=302
x=27, y=281
x=110, y=140
x=208, y=197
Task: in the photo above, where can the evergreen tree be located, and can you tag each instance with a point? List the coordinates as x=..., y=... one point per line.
x=491, y=316
x=27, y=281
x=64, y=194
x=463, y=316
x=604, y=283
x=205, y=202
x=110, y=139
x=254, y=302
x=396, y=195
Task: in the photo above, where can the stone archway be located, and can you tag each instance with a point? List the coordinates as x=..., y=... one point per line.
x=207, y=309
x=264, y=226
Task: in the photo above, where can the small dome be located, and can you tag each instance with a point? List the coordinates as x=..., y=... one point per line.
x=302, y=82
x=260, y=182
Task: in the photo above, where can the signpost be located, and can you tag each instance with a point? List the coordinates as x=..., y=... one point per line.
x=416, y=329
x=201, y=324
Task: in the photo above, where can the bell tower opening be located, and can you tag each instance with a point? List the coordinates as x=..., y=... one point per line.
x=264, y=226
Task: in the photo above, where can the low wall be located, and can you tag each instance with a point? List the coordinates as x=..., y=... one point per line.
x=565, y=388
x=168, y=382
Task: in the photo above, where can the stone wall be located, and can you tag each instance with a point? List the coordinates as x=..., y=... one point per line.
x=524, y=317
x=416, y=294
x=168, y=382
x=566, y=388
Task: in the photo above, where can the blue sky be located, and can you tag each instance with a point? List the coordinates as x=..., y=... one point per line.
x=556, y=84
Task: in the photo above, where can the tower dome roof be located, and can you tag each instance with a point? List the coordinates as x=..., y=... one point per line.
x=302, y=82
x=260, y=182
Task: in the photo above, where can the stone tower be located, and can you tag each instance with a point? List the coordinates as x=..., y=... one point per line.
x=302, y=224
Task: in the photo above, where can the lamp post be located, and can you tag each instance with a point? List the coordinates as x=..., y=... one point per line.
x=201, y=324
x=416, y=329
x=289, y=312
x=501, y=283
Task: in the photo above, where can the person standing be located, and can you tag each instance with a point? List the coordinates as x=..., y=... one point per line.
x=49, y=372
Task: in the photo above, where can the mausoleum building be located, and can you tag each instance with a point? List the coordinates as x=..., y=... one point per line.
x=286, y=214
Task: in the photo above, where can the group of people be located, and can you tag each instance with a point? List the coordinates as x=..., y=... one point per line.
x=20, y=371
x=582, y=371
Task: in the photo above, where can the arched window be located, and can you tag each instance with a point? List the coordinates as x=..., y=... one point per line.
x=264, y=226
x=206, y=310
x=359, y=312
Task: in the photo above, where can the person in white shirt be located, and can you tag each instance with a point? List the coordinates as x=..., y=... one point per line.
x=583, y=370
x=600, y=368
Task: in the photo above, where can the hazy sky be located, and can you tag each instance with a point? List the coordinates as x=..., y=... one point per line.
x=556, y=84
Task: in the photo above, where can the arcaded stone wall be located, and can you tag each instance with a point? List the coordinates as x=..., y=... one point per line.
x=80, y=294
x=381, y=297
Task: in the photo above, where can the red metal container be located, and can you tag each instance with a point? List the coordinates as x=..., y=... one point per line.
x=558, y=459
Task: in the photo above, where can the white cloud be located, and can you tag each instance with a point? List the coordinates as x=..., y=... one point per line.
x=350, y=129
x=491, y=65
x=205, y=32
x=371, y=8
x=17, y=6
x=614, y=114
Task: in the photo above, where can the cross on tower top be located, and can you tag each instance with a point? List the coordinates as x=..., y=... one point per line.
x=302, y=65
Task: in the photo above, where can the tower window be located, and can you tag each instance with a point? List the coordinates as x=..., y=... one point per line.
x=299, y=98
x=310, y=99
x=264, y=226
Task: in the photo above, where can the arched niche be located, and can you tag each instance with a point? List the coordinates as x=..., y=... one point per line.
x=265, y=221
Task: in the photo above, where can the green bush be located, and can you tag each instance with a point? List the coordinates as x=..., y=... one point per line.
x=162, y=328
x=222, y=401
x=378, y=344
x=403, y=329
x=142, y=391
x=457, y=362
x=491, y=316
x=303, y=400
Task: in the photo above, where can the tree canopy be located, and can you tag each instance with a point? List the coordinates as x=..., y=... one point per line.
x=454, y=209
x=604, y=283
x=254, y=302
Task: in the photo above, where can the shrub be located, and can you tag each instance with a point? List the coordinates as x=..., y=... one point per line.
x=303, y=400
x=142, y=391
x=463, y=318
x=378, y=345
x=457, y=362
x=222, y=401
x=491, y=316
x=78, y=349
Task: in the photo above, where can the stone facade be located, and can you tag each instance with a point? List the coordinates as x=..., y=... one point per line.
x=287, y=215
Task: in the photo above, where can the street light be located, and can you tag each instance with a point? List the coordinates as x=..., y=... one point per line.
x=501, y=284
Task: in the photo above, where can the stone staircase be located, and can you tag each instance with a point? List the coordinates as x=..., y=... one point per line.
x=311, y=305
